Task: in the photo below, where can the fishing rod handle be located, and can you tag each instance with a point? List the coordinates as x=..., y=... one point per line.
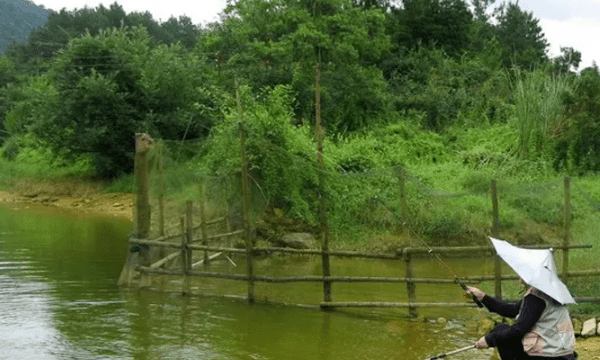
x=462, y=285
x=477, y=301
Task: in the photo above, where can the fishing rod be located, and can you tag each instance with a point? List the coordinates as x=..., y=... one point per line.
x=451, y=352
x=430, y=251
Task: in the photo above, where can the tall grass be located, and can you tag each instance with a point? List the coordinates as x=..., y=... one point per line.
x=538, y=106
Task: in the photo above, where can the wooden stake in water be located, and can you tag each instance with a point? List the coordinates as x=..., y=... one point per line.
x=246, y=202
x=143, y=144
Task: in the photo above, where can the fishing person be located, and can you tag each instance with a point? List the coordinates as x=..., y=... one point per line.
x=543, y=327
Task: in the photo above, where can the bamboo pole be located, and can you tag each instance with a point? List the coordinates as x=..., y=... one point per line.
x=399, y=254
x=410, y=285
x=189, y=211
x=567, y=224
x=482, y=249
x=165, y=238
x=201, y=262
x=184, y=258
x=496, y=234
x=403, y=203
x=161, y=195
x=165, y=260
x=347, y=279
x=246, y=202
x=218, y=236
x=203, y=224
x=326, y=265
x=161, y=191
x=228, y=229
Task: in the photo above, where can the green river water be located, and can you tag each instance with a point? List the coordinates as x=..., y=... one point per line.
x=59, y=300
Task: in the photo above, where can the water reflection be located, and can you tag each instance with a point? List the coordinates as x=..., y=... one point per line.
x=59, y=300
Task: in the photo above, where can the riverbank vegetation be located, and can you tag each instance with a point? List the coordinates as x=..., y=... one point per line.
x=453, y=103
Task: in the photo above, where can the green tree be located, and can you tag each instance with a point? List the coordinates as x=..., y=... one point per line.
x=439, y=23
x=568, y=61
x=102, y=102
x=182, y=100
x=281, y=42
x=579, y=148
x=521, y=38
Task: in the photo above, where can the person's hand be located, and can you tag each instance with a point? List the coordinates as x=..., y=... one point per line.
x=476, y=292
x=481, y=343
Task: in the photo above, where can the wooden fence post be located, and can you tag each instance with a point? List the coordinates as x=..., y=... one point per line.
x=325, y=261
x=496, y=234
x=143, y=144
x=161, y=189
x=184, y=259
x=161, y=195
x=567, y=238
x=401, y=173
x=410, y=285
x=203, y=223
x=246, y=201
x=189, y=228
x=141, y=210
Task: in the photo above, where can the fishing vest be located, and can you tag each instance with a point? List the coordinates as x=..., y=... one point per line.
x=552, y=335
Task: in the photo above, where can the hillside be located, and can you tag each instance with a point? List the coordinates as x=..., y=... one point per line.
x=17, y=19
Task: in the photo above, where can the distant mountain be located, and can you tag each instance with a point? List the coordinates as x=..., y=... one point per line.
x=17, y=19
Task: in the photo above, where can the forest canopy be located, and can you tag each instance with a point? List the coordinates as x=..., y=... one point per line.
x=85, y=80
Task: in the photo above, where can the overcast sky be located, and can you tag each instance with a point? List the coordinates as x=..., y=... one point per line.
x=566, y=23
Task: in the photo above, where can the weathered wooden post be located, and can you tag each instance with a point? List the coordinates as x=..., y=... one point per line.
x=185, y=263
x=143, y=144
x=161, y=189
x=203, y=228
x=401, y=175
x=496, y=234
x=410, y=285
x=567, y=222
x=327, y=297
x=246, y=203
x=141, y=215
x=161, y=194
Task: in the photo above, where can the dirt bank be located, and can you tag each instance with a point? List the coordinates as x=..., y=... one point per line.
x=79, y=196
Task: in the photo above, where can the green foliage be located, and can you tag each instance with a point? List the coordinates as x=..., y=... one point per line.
x=579, y=149
x=423, y=87
x=182, y=102
x=25, y=156
x=273, y=144
x=568, y=61
x=102, y=102
x=450, y=91
x=33, y=100
x=442, y=23
x=527, y=49
x=538, y=110
x=280, y=42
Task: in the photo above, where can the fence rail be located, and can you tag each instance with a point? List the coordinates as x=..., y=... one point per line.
x=187, y=243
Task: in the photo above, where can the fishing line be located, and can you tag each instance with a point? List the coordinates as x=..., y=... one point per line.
x=430, y=251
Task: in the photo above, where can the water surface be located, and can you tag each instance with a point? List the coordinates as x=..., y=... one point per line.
x=59, y=300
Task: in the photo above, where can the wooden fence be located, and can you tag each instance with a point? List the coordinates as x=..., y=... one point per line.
x=186, y=244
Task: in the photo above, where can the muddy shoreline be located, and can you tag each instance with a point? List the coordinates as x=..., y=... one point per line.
x=79, y=197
